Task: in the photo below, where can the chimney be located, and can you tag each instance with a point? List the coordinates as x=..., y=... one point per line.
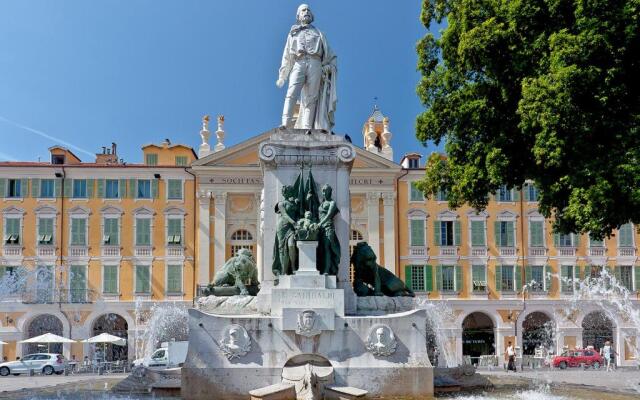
x=108, y=155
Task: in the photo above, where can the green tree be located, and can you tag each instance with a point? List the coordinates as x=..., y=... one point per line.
x=547, y=90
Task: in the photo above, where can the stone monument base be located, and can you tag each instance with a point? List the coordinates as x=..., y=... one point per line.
x=209, y=370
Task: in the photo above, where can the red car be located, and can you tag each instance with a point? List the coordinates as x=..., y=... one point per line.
x=577, y=358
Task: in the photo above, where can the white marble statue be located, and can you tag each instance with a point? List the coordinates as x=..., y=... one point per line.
x=307, y=324
x=381, y=341
x=311, y=68
x=235, y=342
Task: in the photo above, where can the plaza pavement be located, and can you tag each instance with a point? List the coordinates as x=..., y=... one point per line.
x=11, y=384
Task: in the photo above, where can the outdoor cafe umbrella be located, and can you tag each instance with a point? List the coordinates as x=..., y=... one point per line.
x=48, y=338
x=106, y=338
x=1, y=342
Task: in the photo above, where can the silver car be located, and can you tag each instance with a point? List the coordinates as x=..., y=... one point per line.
x=46, y=363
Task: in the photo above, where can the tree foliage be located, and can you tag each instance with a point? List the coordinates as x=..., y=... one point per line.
x=547, y=90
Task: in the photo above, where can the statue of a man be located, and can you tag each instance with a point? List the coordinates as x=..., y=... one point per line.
x=311, y=68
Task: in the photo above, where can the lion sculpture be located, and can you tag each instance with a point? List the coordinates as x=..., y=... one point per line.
x=370, y=279
x=239, y=275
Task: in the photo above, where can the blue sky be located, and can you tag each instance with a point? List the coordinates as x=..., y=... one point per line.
x=86, y=73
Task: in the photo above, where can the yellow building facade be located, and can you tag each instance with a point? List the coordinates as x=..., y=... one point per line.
x=156, y=232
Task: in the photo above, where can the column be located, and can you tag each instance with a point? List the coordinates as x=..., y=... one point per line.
x=259, y=218
x=373, y=221
x=219, y=229
x=388, y=202
x=203, y=238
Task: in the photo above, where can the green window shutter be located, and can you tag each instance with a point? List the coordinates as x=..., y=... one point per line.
x=142, y=279
x=511, y=234
x=100, y=189
x=564, y=274
x=24, y=187
x=477, y=233
x=408, y=276
x=439, y=277
x=617, y=272
x=174, y=278
x=132, y=190
x=457, y=233
x=174, y=189
x=436, y=233
x=576, y=240
x=122, y=189
x=636, y=270
x=78, y=230
x=68, y=188
x=496, y=231
x=143, y=231
x=536, y=232
x=498, y=269
x=417, y=232
x=587, y=271
x=518, y=277
x=90, y=187
x=3, y=187
x=58, y=187
x=547, y=277
x=626, y=235
x=516, y=194
x=35, y=188
x=525, y=189
x=458, y=282
x=110, y=283
x=428, y=278
x=556, y=240
x=154, y=189
x=174, y=231
x=527, y=274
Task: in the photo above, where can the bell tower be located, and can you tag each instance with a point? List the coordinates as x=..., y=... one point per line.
x=377, y=137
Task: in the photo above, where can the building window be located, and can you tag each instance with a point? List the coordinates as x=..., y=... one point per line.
x=416, y=194
x=47, y=188
x=448, y=278
x=143, y=232
x=174, y=279
x=414, y=163
x=536, y=233
x=12, y=231
x=181, y=161
x=112, y=189
x=174, y=231
x=417, y=231
x=479, y=278
x=507, y=278
x=151, y=159
x=595, y=242
x=14, y=188
x=110, y=279
x=111, y=232
x=78, y=283
x=447, y=233
x=442, y=195
x=625, y=276
x=143, y=279
x=45, y=231
x=566, y=278
x=504, y=194
x=477, y=233
x=78, y=231
x=536, y=280
x=419, y=278
x=625, y=235
x=505, y=233
x=531, y=192
x=174, y=189
x=565, y=240
x=79, y=188
x=144, y=189
x=241, y=239
x=356, y=236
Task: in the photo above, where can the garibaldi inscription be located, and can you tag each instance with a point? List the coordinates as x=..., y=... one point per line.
x=310, y=66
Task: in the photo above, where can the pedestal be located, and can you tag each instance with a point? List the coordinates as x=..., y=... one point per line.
x=307, y=258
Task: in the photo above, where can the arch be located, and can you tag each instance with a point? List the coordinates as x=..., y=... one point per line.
x=39, y=325
x=241, y=238
x=113, y=324
x=356, y=235
x=597, y=327
x=478, y=335
x=538, y=331
x=241, y=234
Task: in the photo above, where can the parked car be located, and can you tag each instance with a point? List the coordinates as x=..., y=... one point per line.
x=47, y=363
x=577, y=358
x=171, y=354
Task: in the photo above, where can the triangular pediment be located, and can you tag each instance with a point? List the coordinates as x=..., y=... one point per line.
x=245, y=154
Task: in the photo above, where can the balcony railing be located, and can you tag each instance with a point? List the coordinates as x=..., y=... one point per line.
x=597, y=251
x=567, y=251
x=46, y=251
x=448, y=251
x=143, y=251
x=507, y=251
x=478, y=251
x=537, y=251
x=12, y=250
x=175, y=251
x=74, y=296
x=78, y=251
x=111, y=251
x=626, y=252
x=417, y=251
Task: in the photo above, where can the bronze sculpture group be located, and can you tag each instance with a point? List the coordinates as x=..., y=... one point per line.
x=303, y=217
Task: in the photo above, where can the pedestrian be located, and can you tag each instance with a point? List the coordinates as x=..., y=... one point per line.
x=5, y=359
x=607, y=353
x=511, y=358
